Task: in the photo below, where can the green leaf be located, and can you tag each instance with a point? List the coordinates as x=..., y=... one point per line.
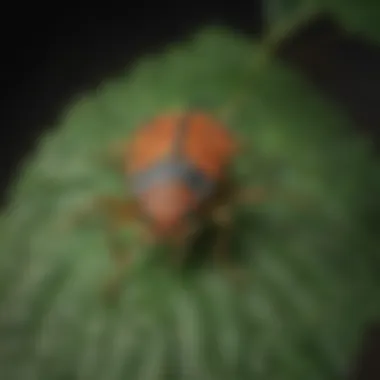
x=356, y=16
x=311, y=260
x=277, y=11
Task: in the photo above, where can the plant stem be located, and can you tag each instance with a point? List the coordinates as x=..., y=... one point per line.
x=267, y=48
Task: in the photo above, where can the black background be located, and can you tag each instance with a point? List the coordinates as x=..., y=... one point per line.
x=48, y=55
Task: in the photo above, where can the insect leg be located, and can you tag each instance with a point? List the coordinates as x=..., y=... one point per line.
x=222, y=217
x=179, y=251
x=112, y=207
x=121, y=258
x=119, y=214
x=258, y=195
x=113, y=156
x=251, y=195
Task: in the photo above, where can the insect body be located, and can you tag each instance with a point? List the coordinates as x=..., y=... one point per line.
x=178, y=170
x=175, y=165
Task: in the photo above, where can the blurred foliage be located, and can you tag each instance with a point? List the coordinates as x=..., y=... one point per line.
x=311, y=251
x=356, y=16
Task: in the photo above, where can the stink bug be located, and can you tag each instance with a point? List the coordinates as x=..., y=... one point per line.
x=178, y=168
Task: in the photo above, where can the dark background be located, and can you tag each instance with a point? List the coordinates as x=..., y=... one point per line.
x=48, y=55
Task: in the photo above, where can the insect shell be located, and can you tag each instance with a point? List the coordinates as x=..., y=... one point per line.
x=174, y=166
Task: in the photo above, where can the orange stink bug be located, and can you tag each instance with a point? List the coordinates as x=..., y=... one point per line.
x=178, y=170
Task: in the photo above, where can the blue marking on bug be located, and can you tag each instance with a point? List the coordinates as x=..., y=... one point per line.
x=173, y=170
x=175, y=167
